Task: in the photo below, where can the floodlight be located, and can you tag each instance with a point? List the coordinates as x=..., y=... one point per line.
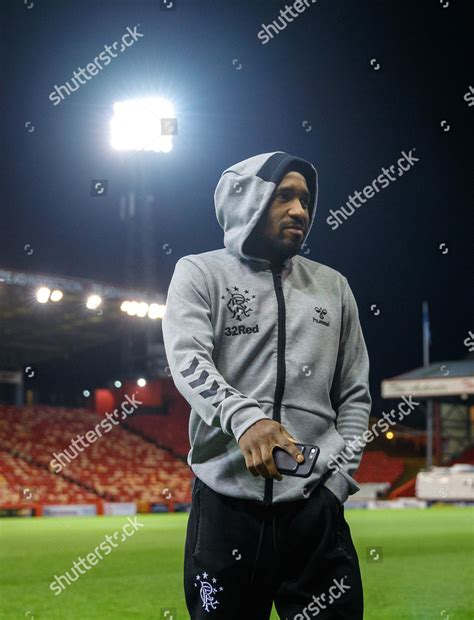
x=93, y=302
x=56, y=295
x=142, y=309
x=146, y=124
x=132, y=308
x=156, y=311
x=42, y=295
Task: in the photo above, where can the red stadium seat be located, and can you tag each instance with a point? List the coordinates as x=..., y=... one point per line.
x=119, y=466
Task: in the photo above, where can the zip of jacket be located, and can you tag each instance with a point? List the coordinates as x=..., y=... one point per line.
x=281, y=369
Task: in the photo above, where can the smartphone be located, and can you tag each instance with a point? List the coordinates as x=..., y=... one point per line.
x=287, y=465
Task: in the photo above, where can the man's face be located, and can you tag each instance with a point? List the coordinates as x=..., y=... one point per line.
x=273, y=237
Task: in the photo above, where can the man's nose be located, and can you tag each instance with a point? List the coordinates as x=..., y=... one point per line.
x=297, y=210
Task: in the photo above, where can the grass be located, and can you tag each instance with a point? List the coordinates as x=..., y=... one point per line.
x=427, y=570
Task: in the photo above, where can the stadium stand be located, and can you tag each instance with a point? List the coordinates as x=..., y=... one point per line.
x=22, y=482
x=376, y=466
x=169, y=430
x=137, y=462
x=119, y=466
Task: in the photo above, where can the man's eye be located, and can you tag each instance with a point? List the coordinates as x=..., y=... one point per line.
x=286, y=196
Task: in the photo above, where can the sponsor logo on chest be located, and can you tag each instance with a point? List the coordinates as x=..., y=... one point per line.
x=238, y=304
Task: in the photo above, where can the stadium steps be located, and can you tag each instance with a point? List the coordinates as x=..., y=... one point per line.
x=36, y=482
x=406, y=485
x=149, y=439
x=405, y=490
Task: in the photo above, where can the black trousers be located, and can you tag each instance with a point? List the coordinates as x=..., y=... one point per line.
x=241, y=556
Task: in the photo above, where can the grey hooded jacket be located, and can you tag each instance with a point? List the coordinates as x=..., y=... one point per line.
x=246, y=342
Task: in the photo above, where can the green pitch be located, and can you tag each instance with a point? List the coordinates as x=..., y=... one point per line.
x=422, y=566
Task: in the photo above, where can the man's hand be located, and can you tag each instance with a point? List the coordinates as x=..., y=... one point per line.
x=257, y=445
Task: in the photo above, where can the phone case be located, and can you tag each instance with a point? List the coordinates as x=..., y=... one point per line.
x=287, y=465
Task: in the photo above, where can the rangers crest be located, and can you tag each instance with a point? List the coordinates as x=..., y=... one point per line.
x=237, y=303
x=207, y=591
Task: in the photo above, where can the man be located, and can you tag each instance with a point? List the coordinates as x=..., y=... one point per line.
x=266, y=346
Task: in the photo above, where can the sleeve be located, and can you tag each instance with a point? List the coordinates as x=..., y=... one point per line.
x=189, y=344
x=350, y=394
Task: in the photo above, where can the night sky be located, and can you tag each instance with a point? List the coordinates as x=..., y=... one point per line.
x=348, y=85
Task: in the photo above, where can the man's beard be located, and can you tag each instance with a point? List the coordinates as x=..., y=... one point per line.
x=285, y=250
x=274, y=249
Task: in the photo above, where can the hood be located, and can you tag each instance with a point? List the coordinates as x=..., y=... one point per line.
x=245, y=189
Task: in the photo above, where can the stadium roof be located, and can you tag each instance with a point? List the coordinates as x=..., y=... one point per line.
x=449, y=378
x=32, y=332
